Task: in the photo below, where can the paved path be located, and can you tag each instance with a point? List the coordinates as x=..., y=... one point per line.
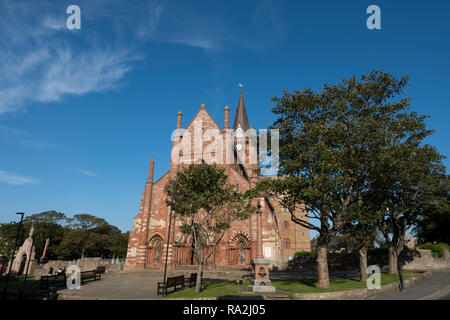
x=136, y=285
x=142, y=285
x=133, y=286
x=439, y=280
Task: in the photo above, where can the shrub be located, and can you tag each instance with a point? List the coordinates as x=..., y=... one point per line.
x=305, y=254
x=435, y=248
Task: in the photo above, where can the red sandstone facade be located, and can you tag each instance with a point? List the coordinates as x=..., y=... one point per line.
x=281, y=238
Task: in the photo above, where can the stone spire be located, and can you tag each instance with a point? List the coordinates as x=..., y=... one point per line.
x=241, y=118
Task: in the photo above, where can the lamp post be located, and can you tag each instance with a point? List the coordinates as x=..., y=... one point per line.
x=261, y=281
x=168, y=240
x=28, y=264
x=12, y=256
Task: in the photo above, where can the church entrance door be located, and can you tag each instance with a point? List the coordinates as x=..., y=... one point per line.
x=241, y=254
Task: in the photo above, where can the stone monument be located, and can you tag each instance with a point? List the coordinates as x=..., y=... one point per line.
x=261, y=281
x=24, y=261
x=44, y=259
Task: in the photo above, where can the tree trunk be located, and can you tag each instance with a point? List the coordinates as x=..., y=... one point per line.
x=363, y=264
x=322, y=267
x=402, y=286
x=198, y=283
x=393, y=269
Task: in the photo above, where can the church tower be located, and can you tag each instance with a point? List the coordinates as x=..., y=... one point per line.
x=245, y=141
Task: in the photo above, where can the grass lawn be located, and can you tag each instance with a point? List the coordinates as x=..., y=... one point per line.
x=214, y=289
x=309, y=285
x=230, y=288
x=32, y=284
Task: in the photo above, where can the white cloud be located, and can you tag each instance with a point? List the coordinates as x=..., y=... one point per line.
x=54, y=23
x=152, y=17
x=41, y=61
x=215, y=29
x=87, y=173
x=14, y=179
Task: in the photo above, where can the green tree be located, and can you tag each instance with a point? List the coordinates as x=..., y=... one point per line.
x=330, y=146
x=8, y=234
x=360, y=236
x=434, y=222
x=406, y=188
x=47, y=225
x=81, y=239
x=206, y=205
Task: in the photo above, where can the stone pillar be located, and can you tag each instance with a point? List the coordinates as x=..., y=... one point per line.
x=142, y=256
x=44, y=253
x=259, y=253
x=261, y=282
x=179, y=115
x=226, y=124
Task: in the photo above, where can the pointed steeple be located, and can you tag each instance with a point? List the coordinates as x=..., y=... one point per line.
x=241, y=118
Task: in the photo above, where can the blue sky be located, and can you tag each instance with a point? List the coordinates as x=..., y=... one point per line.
x=83, y=111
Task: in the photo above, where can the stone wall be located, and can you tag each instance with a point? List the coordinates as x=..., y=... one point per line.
x=409, y=259
x=424, y=260
x=84, y=264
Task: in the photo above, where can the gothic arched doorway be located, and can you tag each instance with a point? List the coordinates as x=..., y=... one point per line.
x=155, y=250
x=241, y=254
x=240, y=249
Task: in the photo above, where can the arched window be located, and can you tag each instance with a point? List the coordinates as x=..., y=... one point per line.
x=286, y=244
x=286, y=225
x=158, y=248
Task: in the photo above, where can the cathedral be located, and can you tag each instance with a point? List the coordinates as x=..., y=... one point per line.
x=149, y=236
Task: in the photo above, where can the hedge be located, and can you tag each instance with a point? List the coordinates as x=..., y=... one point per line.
x=305, y=254
x=435, y=248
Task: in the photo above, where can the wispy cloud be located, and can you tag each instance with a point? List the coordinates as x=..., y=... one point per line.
x=216, y=30
x=42, y=61
x=151, y=19
x=15, y=179
x=37, y=144
x=20, y=137
x=87, y=173
x=10, y=130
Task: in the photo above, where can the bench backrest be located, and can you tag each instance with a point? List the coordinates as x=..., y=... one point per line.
x=173, y=281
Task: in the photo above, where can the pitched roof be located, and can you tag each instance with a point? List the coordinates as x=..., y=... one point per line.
x=198, y=112
x=241, y=115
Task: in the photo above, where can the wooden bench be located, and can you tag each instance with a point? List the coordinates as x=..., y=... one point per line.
x=92, y=274
x=190, y=282
x=101, y=269
x=53, y=280
x=171, y=282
